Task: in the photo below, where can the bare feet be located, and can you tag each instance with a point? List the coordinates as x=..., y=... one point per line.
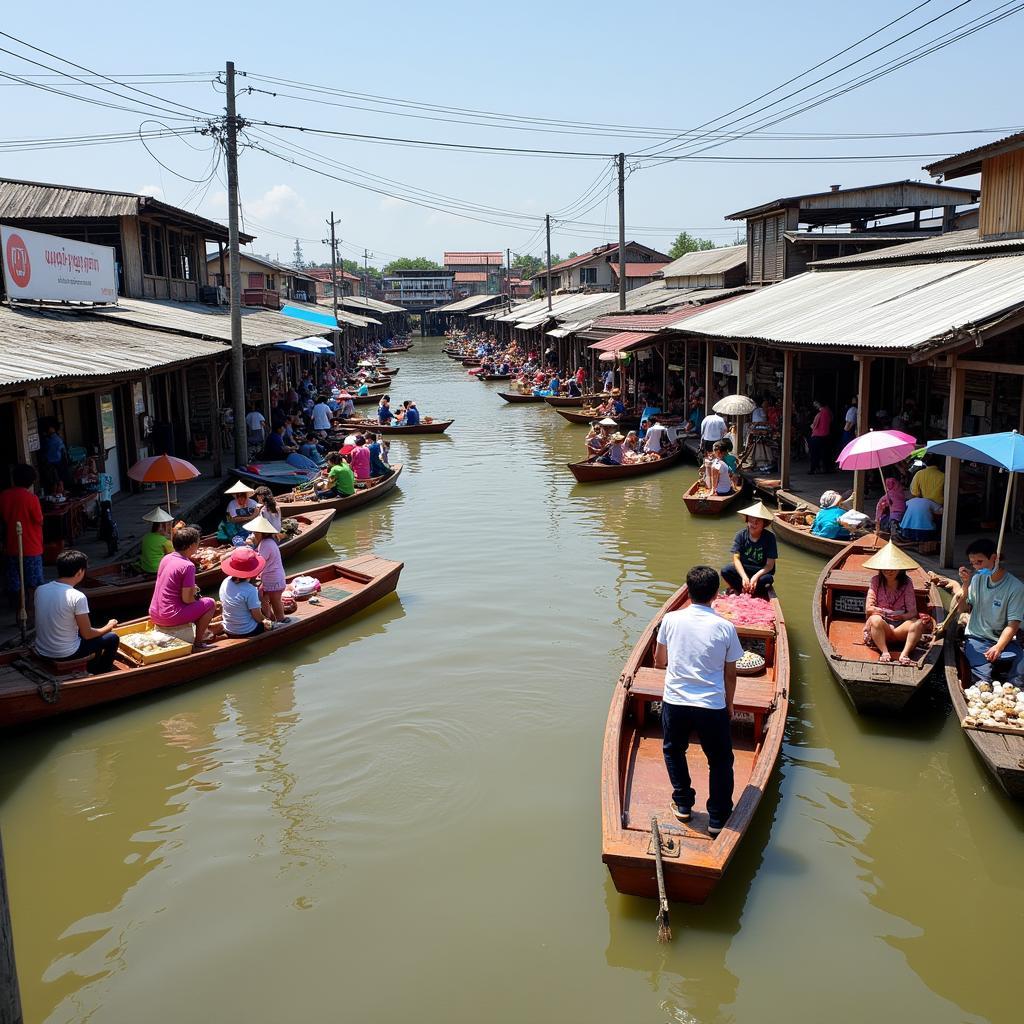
x=885, y=657
x=904, y=660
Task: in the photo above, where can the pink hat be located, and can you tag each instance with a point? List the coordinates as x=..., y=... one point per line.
x=243, y=564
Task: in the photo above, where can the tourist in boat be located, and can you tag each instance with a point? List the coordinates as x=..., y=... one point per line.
x=241, y=508
x=755, y=554
x=712, y=429
x=241, y=606
x=176, y=598
x=723, y=450
x=272, y=579
x=699, y=649
x=613, y=452
x=890, y=609
x=157, y=542
x=19, y=504
x=826, y=522
x=363, y=390
x=994, y=599
x=410, y=414
x=379, y=466
x=339, y=481
x=595, y=441
x=718, y=474
x=359, y=458
x=267, y=506
x=384, y=413
x=930, y=482
x=918, y=522
x=655, y=436
x=890, y=506
x=63, y=628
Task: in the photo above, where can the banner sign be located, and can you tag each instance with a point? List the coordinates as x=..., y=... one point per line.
x=56, y=269
x=725, y=366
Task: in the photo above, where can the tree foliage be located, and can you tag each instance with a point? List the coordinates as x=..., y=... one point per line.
x=685, y=242
x=526, y=266
x=412, y=263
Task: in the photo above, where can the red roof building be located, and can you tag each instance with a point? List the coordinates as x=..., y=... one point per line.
x=476, y=273
x=592, y=271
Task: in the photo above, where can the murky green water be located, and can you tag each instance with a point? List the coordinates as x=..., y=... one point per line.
x=402, y=821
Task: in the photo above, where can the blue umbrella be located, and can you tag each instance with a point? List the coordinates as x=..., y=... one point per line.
x=1004, y=450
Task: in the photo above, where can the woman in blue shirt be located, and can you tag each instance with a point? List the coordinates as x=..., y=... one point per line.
x=826, y=522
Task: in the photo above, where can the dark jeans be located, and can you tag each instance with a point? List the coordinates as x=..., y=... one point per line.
x=104, y=648
x=733, y=579
x=818, y=447
x=715, y=737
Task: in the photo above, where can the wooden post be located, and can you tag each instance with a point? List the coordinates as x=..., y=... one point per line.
x=265, y=381
x=741, y=369
x=10, y=999
x=863, y=401
x=951, y=491
x=663, y=351
x=709, y=373
x=216, y=448
x=786, y=419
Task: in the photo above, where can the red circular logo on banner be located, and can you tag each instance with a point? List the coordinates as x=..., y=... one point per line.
x=19, y=267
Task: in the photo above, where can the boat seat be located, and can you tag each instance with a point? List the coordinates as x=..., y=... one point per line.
x=66, y=666
x=861, y=579
x=847, y=638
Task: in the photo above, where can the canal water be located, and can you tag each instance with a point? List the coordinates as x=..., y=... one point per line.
x=401, y=821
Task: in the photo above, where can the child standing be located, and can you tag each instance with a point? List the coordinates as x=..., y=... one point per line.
x=273, y=579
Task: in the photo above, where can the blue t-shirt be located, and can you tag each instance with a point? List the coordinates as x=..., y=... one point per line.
x=363, y=391
x=651, y=410
x=274, y=446
x=754, y=554
x=919, y=514
x=826, y=524
x=53, y=449
x=377, y=465
x=238, y=600
x=412, y=417
x=384, y=415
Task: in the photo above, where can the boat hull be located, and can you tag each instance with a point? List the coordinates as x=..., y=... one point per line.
x=710, y=504
x=343, y=506
x=597, y=473
x=516, y=399
x=438, y=427
x=785, y=530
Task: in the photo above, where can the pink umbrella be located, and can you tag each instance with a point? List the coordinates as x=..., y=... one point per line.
x=875, y=449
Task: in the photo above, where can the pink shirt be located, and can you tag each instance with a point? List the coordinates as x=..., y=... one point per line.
x=822, y=425
x=902, y=600
x=360, y=459
x=175, y=573
x=272, y=576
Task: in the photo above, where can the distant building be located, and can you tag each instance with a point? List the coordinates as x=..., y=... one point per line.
x=592, y=271
x=348, y=284
x=418, y=290
x=518, y=288
x=708, y=268
x=265, y=282
x=476, y=273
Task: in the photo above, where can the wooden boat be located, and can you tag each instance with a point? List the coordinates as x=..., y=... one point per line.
x=566, y=401
x=370, y=399
x=494, y=376
x=838, y=616
x=278, y=476
x=471, y=361
x=374, y=489
x=401, y=347
x=635, y=785
x=437, y=427
x=517, y=396
x=121, y=585
x=1000, y=749
x=623, y=423
x=793, y=528
x=593, y=472
x=699, y=503
x=30, y=691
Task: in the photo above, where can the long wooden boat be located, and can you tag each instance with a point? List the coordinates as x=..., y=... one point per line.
x=838, y=615
x=517, y=396
x=374, y=489
x=1000, y=749
x=699, y=502
x=793, y=528
x=120, y=585
x=494, y=376
x=471, y=361
x=402, y=347
x=586, y=418
x=565, y=401
x=30, y=691
x=370, y=399
x=635, y=785
x=437, y=427
x=278, y=476
x=592, y=472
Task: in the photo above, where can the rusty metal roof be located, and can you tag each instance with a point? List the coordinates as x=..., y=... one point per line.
x=635, y=270
x=470, y=259
x=627, y=341
x=707, y=261
x=47, y=345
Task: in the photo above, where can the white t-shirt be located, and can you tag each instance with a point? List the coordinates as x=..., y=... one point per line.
x=712, y=428
x=322, y=416
x=724, y=477
x=699, y=643
x=236, y=506
x=655, y=437
x=255, y=421
x=57, y=604
x=238, y=600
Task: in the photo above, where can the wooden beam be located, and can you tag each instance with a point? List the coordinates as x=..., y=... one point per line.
x=709, y=373
x=863, y=401
x=215, y=417
x=741, y=369
x=951, y=492
x=10, y=999
x=786, y=418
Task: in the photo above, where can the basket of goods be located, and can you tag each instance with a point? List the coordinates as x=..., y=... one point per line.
x=428, y=419
x=996, y=707
x=207, y=558
x=304, y=587
x=289, y=527
x=146, y=644
x=750, y=664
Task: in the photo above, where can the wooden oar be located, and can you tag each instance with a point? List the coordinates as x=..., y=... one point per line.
x=664, y=926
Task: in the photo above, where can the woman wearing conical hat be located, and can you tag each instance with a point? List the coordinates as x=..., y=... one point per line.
x=893, y=620
x=754, y=554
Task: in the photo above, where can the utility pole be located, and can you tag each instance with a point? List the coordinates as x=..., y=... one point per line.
x=622, y=230
x=508, y=274
x=366, y=271
x=237, y=355
x=547, y=224
x=332, y=223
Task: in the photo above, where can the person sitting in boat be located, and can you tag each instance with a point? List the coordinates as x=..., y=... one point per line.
x=157, y=542
x=655, y=436
x=755, y=554
x=630, y=447
x=723, y=450
x=379, y=466
x=572, y=388
x=717, y=474
x=176, y=598
x=595, y=441
x=339, y=481
x=994, y=599
x=363, y=390
x=267, y=506
x=613, y=452
x=890, y=506
x=618, y=406
x=241, y=508
x=310, y=449
x=276, y=448
x=63, y=627
x=384, y=413
x=346, y=407
x=240, y=604
x=890, y=609
x=826, y=522
x=699, y=649
x=359, y=458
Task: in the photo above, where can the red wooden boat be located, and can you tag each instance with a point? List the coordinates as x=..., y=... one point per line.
x=635, y=785
x=566, y=401
x=593, y=472
x=518, y=396
x=700, y=502
x=437, y=427
x=493, y=376
x=121, y=585
x=623, y=423
x=373, y=490
x=31, y=692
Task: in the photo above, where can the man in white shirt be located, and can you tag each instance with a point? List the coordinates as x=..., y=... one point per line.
x=322, y=416
x=63, y=629
x=656, y=437
x=712, y=428
x=849, y=424
x=698, y=650
x=256, y=425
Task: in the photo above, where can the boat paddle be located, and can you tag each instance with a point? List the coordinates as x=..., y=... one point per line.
x=664, y=928
x=22, y=610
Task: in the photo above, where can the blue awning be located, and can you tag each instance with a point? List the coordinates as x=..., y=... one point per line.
x=312, y=346
x=311, y=316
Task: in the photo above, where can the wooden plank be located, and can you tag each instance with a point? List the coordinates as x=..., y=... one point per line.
x=786, y=443
x=951, y=491
x=863, y=402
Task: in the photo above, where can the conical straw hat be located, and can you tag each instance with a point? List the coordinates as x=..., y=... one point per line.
x=239, y=488
x=158, y=515
x=891, y=557
x=758, y=511
x=608, y=422
x=260, y=525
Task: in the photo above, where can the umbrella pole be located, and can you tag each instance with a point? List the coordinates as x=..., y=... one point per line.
x=167, y=494
x=1002, y=525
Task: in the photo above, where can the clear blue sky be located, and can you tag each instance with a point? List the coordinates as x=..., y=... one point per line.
x=663, y=65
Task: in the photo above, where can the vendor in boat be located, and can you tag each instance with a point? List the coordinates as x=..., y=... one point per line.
x=826, y=522
x=339, y=481
x=995, y=600
x=176, y=598
x=240, y=603
x=755, y=554
x=379, y=466
x=630, y=447
x=890, y=609
x=384, y=413
x=613, y=452
x=63, y=628
x=595, y=441
x=241, y=508
x=699, y=649
x=157, y=542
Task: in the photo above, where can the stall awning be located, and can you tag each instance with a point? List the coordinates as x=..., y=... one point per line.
x=323, y=319
x=313, y=346
x=624, y=341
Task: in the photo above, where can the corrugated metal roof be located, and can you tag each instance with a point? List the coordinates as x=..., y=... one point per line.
x=969, y=162
x=707, y=261
x=260, y=327
x=627, y=322
x=470, y=275
x=281, y=268
x=953, y=243
x=46, y=345
x=471, y=302
x=468, y=259
x=361, y=302
x=889, y=309
x=636, y=270
x=627, y=341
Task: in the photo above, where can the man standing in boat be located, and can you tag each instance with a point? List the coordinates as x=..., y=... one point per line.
x=698, y=650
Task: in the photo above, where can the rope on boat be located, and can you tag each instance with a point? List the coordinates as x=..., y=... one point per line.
x=664, y=927
x=47, y=686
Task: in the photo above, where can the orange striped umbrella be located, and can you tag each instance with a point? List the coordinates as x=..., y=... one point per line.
x=163, y=469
